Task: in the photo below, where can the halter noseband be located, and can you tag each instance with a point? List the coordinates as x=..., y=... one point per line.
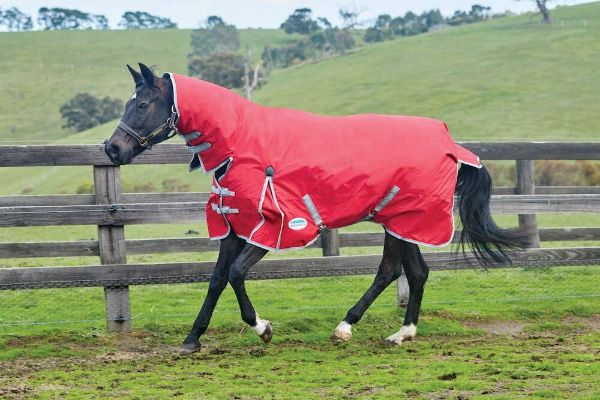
x=144, y=141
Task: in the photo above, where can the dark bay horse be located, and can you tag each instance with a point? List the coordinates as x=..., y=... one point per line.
x=151, y=117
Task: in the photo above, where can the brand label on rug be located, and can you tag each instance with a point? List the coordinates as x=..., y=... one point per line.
x=297, y=224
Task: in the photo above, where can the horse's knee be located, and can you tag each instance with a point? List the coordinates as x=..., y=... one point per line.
x=236, y=276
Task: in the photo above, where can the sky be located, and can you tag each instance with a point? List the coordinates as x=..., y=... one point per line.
x=266, y=13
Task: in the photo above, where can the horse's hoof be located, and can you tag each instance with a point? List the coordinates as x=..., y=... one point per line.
x=340, y=337
x=190, y=347
x=267, y=335
x=406, y=333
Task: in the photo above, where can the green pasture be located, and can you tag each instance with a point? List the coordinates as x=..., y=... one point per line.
x=481, y=335
x=42, y=70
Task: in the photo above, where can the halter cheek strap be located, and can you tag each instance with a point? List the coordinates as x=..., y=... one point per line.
x=144, y=141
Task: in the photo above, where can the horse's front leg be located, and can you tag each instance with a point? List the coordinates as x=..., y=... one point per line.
x=237, y=275
x=230, y=249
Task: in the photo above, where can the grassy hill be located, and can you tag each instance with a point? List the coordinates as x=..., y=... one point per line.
x=39, y=71
x=506, y=79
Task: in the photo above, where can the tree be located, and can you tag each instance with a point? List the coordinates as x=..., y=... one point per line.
x=144, y=20
x=300, y=21
x=476, y=14
x=215, y=57
x=458, y=18
x=434, y=17
x=253, y=76
x=101, y=21
x=216, y=37
x=373, y=35
x=324, y=23
x=338, y=41
x=397, y=26
x=65, y=18
x=214, y=20
x=380, y=31
x=479, y=12
x=84, y=111
x=350, y=17
x=15, y=20
x=413, y=24
x=542, y=5
x=225, y=69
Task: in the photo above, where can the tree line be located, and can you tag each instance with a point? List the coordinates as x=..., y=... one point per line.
x=216, y=54
x=386, y=27
x=57, y=18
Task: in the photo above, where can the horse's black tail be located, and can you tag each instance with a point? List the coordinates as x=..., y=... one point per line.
x=490, y=243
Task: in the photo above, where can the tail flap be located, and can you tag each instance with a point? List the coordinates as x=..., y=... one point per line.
x=467, y=157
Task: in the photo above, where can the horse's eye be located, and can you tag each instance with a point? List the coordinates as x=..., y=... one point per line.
x=144, y=105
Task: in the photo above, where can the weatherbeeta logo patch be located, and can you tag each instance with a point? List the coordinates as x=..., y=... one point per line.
x=297, y=224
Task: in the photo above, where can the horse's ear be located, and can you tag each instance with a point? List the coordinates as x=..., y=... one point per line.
x=137, y=77
x=147, y=74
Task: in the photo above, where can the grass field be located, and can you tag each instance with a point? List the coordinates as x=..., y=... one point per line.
x=42, y=70
x=469, y=345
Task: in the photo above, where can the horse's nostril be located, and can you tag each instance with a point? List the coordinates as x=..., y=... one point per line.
x=112, y=149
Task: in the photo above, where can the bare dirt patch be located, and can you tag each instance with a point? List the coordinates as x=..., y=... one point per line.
x=18, y=391
x=592, y=322
x=503, y=328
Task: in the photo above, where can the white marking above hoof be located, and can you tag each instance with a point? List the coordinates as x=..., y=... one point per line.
x=261, y=326
x=405, y=333
x=342, y=333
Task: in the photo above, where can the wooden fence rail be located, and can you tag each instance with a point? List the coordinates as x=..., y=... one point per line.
x=120, y=275
x=171, y=212
x=110, y=210
x=54, y=155
x=83, y=248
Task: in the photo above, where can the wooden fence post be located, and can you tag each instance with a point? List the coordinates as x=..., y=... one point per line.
x=526, y=185
x=330, y=240
x=111, y=243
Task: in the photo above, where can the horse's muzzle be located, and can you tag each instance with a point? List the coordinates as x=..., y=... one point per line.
x=116, y=154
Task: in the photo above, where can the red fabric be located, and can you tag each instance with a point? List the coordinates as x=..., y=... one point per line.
x=346, y=164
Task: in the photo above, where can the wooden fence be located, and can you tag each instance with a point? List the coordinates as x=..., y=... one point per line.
x=110, y=210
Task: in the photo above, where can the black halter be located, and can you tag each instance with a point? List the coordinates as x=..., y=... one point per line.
x=144, y=141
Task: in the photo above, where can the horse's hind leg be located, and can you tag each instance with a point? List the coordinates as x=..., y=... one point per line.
x=389, y=270
x=237, y=276
x=416, y=273
x=230, y=249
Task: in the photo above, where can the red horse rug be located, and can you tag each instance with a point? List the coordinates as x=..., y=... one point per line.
x=283, y=176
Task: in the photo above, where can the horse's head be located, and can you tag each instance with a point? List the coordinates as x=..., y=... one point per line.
x=149, y=117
